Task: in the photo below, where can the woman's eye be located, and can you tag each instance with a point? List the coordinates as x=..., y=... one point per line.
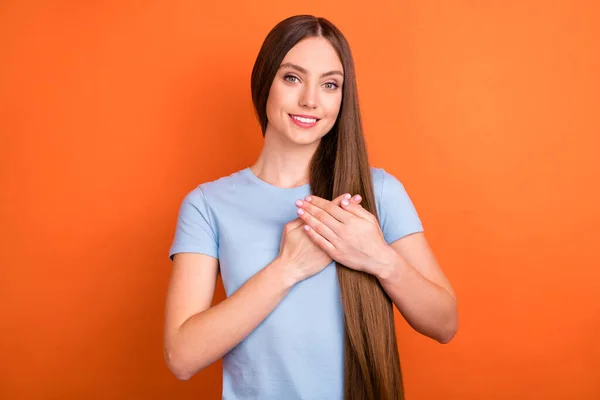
x=294, y=79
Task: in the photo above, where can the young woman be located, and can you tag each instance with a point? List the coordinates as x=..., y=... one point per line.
x=310, y=272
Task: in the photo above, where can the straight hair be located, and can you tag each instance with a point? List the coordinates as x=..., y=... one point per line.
x=340, y=165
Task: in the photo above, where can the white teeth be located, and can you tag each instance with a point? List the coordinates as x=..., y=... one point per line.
x=305, y=120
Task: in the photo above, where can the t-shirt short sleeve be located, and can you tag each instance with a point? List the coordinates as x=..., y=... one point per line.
x=397, y=213
x=194, y=232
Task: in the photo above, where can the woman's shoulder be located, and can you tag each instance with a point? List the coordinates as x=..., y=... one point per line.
x=219, y=183
x=376, y=172
x=380, y=176
x=213, y=189
x=387, y=186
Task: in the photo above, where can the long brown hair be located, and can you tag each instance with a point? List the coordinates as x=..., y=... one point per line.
x=340, y=164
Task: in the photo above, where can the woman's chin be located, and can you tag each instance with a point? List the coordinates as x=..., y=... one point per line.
x=298, y=136
x=304, y=140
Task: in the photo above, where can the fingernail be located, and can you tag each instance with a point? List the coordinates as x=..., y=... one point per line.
x=357, y=198
x=300, y=211
x=299, y=203
x=345, y=202
x=347, y=196
x=308, y=198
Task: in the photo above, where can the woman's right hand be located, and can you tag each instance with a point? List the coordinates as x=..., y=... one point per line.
x=298, y=254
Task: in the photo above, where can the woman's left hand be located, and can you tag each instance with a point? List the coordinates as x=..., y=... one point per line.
x=349, y=234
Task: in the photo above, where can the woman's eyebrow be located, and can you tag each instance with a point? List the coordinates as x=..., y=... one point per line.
x=304, y=71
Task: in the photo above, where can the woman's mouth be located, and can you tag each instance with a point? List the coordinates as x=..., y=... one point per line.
x=304, y=122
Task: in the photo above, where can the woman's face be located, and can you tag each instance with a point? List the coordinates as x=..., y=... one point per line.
x=306, y=94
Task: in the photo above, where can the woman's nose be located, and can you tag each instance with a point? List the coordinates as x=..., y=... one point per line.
x=308, y=98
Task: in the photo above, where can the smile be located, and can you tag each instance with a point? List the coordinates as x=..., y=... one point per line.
x=304, y=122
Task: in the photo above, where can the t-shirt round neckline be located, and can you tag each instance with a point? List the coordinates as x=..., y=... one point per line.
x=248, y=172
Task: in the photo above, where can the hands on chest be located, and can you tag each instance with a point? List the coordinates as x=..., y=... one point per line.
x=340, y=230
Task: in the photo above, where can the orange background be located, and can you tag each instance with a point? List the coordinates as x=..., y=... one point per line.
x=110, y=112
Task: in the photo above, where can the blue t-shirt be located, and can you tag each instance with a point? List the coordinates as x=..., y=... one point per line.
x=297, y=352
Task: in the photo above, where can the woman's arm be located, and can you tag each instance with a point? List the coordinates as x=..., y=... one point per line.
x=195, y=334
x=407, y=268
x=416, y=284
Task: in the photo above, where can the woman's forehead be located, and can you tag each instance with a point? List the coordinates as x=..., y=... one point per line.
x=316, y=55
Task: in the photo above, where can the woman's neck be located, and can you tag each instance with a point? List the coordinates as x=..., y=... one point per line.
x=283, y=168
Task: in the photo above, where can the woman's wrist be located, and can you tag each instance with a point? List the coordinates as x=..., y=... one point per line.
x=387, y=264
x=283, y=273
